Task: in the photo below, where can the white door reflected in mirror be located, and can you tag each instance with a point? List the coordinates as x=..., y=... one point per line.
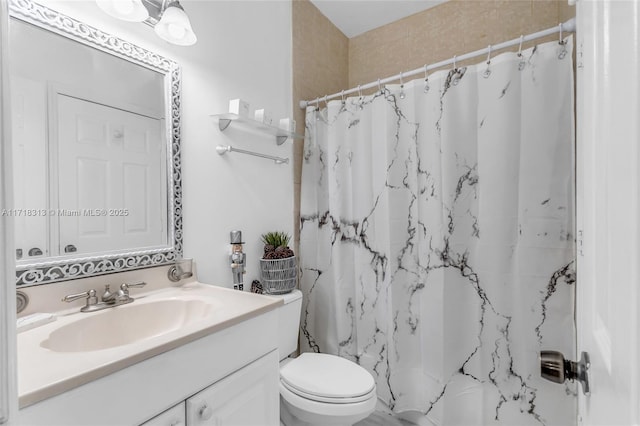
x=108, y=162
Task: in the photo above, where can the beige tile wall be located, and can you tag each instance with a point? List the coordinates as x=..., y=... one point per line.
x=454, y=27
x=326, y=62
x=320, y=67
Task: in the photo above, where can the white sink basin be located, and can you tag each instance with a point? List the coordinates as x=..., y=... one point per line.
x=78, y=348
x=126, y=324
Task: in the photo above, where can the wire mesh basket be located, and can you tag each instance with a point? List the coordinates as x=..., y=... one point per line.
x=279, y=276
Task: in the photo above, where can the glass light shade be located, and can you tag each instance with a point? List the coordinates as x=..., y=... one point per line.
x=127, y=10
x=175, y=27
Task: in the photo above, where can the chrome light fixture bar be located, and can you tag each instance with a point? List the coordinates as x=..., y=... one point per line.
x=167, y=17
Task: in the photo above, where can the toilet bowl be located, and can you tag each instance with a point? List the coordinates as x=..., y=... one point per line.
x=318, y=389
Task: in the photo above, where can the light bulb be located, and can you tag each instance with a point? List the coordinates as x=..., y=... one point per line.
x=124, y=7
x=174, y=26
x=176, y=31
x=127, y=10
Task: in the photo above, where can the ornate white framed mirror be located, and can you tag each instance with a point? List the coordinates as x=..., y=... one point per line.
x=96, y=150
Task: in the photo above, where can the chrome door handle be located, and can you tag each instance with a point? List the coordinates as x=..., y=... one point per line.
x=554, y=367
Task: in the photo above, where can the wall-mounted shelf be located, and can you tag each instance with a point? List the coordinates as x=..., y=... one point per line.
x=224, y=120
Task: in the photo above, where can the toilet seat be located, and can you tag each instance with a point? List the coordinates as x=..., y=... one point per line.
x=327, y=379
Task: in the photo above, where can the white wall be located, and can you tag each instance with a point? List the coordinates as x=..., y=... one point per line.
x=243, y=51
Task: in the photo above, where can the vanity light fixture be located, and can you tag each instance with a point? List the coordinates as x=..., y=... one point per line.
x=127, y=10
x=168, y=17
x=174, y=26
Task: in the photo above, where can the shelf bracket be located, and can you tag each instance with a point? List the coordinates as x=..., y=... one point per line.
x=281, y=139
x=223, y=123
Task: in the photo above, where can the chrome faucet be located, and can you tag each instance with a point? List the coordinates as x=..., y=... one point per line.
x=108, y=297
x=107, y=300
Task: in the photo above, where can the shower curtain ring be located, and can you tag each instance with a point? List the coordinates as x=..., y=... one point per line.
x=326, y=104
x=379, y=86
x=402, y=95
x=359, y=91
x=563, y=44
x=487, y=72
x=522, y=62
x=520, y=46
x=426, y=79
x=342, y=96
x=455, y=60
x=561, y=41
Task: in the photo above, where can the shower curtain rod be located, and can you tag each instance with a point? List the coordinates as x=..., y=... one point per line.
x=569, y=27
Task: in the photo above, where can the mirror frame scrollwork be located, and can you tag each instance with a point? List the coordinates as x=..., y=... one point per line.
x=86, y=266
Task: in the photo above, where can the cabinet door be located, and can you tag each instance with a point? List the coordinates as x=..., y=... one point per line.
x=174, y=416
x=248, y=397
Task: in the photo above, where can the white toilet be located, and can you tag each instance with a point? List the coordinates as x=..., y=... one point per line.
x=318, y=389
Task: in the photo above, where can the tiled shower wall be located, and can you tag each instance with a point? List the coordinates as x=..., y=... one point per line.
x=452, y=28
x=320, y=67
x=326, y=62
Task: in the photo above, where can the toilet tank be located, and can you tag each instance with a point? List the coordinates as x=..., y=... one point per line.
x=289, y=323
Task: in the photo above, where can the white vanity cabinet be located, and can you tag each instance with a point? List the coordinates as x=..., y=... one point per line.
x=234, y=371
x=248, y=397
x=174, y=416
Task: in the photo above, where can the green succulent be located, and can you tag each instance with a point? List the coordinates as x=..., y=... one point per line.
x=276, y=245
x=276, y=239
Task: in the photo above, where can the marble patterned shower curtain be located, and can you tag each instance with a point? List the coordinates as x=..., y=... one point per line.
x=437, y=239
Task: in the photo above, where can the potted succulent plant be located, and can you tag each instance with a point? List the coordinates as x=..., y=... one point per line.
x=278, y=266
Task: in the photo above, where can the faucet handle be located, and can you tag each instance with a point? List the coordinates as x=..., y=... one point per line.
x=124, y=287
x=84, y=294
x=133, y=285
x=90, y=295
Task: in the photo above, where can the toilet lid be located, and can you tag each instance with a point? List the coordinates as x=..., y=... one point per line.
x=326, y=376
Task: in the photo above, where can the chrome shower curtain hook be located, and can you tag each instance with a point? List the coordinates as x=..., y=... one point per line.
x=522, y=62
x=426, y=79
x=326, y=104
x=563, y=45
x=520, y=46
x=359, y=91
x=487, y=72
x=561, y=41
x=455, y=78
x=380, y=87
x=342, y=96
x=402, y=95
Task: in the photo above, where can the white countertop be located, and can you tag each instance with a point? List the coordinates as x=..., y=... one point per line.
x=43, y=373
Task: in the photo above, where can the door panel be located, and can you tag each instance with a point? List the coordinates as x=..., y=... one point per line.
x=107, y=160
x=608, y=135
x=29, y=140
x=248, y=397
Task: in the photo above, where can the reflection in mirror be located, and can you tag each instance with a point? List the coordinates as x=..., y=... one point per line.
x=95, y=149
